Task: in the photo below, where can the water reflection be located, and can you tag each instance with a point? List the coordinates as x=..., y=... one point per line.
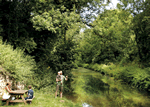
x=86, y=105
x=88, y=87
x=102, y=91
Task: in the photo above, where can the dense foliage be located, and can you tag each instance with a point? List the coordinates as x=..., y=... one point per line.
x=110, y=39
x=142, y=31
x=15, y=63
x=140, y=10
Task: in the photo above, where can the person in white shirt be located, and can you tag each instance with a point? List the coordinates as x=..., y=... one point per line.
x=6, y=94
x=60, y=83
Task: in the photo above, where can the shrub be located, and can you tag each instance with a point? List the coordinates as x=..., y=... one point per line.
x=85, y=65
x=15, y=63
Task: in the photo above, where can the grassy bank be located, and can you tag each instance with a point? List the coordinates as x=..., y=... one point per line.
x=46, y=100
x=131, y=74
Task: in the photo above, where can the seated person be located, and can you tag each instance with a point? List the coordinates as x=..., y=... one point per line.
x=30, y=93
x=7, y=91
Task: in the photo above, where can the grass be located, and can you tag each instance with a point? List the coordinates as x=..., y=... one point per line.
x=46, y=100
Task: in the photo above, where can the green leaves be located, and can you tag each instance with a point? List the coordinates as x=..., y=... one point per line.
x=55, y=21
x=15, y=63
x=17, y=29
x=141, y=28
x=109, y=38
x=119, y=6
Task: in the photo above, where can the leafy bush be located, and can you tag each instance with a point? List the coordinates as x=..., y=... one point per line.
x=15, y=63
x=85, y=65
x=137, y=77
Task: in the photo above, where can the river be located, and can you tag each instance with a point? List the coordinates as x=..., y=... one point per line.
x=102, y=91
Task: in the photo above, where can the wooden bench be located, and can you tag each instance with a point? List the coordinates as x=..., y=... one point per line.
x=30, y=100
x=3, y=100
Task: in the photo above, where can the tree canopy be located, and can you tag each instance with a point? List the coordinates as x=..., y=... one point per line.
x=110, y=37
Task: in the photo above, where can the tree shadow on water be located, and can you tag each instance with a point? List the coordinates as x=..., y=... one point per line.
x=95, y=85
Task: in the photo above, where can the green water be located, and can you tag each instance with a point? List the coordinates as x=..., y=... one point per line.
x=102, y=91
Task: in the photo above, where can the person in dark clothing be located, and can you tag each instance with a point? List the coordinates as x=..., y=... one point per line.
x=30, y=93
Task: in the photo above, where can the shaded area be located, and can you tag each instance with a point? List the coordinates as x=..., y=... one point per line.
x=73, y=96
x=95, y=85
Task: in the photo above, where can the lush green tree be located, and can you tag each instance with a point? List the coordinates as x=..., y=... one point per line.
x=46, y=5
x=142, y=31
x=132, y=6
x=63, y=27
x=17, y=28
x=140, y=10
x=110, y=38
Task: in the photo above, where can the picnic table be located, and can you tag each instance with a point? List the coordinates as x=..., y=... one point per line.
x=17, y=93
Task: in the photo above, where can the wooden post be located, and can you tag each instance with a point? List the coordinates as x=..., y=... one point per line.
x=7, y=103
x=23, y=99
